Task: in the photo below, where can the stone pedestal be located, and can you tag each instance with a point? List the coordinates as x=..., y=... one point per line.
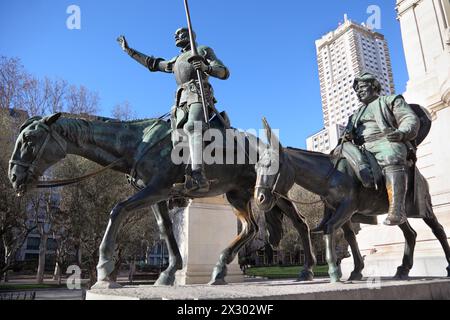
x=203, y=230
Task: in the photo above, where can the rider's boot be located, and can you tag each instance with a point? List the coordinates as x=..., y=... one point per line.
x=396, y=181
x=199, y=182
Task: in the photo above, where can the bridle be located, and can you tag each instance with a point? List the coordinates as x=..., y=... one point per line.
x=274, y=190
x=33, y=165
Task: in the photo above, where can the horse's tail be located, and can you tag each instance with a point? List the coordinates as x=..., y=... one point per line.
x=274, y=226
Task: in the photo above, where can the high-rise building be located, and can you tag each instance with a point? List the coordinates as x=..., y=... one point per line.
x=326, y=139
x=343, y=54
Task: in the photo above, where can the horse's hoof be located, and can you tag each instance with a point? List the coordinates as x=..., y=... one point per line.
x=165, y=280
x=217, y=282
x=448, y=271
x=335, y=279
x=105, y=284
x=401, y=274
x=335, y=275
x=306, y=275
x=355, y=276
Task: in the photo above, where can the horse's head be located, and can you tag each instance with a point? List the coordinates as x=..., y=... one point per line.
x=273, y=177
x=38, y=147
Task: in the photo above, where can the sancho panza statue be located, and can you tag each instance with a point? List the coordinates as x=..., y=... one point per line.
x=386, y=127
x=188, y=108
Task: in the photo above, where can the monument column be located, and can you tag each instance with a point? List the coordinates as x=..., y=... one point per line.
x=203, y=230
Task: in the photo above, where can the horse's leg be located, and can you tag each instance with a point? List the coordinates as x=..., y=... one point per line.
x=343, y=214
x=299, y=222
x=249, y=230
x=161, y=212
x=440, y=234
x=408, y=255
x=150, y=195
x=330, y=252
x=358, y=260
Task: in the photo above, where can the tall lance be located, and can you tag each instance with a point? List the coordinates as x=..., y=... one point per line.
x=196, y=57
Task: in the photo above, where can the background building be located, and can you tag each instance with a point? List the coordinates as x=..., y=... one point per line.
x=325, y=140
x=342, y=55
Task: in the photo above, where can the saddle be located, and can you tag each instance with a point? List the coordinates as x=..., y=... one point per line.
x=418, y=200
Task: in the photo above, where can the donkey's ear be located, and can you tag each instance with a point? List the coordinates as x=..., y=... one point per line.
x=52, y=119
x=268, y=130
x=272, y=138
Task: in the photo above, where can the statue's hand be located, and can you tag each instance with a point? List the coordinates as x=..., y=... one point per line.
x=123, y=43
x=200, y=65
x=395, y=136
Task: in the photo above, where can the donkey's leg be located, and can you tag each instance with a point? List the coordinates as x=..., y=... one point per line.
x=161, y=212
x=299, y=222
x=358, y=260
x=145, y=197
x=440, y=234
x=249, y=230
x=408, y=255
x=343, y=214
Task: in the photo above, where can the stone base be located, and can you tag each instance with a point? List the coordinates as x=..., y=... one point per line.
x=203, y=230
x=424, y=289
x=201, y=274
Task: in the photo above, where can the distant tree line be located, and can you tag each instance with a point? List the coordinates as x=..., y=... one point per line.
x=74, y=216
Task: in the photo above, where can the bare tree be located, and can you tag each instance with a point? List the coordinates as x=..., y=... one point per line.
x=80, y=100
x=12, y=81
x=123, y=111
x=14, y=226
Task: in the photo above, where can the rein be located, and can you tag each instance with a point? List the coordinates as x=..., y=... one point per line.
x=285, y=197
x=66, y=182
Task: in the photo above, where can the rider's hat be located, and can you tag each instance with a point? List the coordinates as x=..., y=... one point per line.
x=367, y=77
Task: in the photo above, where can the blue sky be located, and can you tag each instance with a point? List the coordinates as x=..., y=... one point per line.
x=268, y=46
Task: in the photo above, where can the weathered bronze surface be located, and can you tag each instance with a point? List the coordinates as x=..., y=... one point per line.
x=146, y=147
x=345, y=198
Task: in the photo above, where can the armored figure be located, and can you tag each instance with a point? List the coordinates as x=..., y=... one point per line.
x=386, y=126
x=188, y=112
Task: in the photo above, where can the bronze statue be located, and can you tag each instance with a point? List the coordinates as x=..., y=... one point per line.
x=386, y=126
x=346, y=199
x=143, y=149
x=188, y=112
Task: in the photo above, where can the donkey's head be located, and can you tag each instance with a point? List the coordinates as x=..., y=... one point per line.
x=37, y=148
x=273, y=177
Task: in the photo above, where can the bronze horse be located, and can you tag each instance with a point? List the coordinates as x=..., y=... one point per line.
x=344, y=199
x=143, y=148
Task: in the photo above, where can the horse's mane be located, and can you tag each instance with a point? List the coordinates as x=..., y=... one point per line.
x=320, y=155
x=81, y=130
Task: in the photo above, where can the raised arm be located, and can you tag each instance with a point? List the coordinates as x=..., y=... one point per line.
x=150, y=62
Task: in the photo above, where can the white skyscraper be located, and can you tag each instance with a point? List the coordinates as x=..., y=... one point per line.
x=342, y=55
